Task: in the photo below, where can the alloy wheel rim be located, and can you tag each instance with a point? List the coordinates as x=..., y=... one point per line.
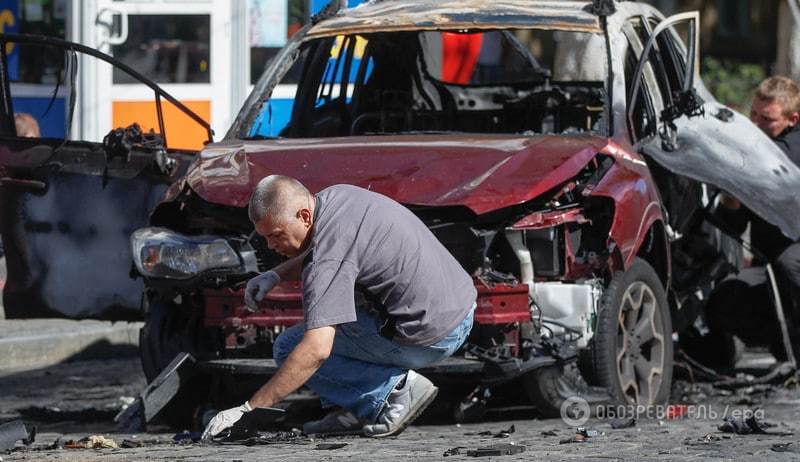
x=641, y=348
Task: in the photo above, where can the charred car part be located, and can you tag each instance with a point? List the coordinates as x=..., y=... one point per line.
x=69, y=206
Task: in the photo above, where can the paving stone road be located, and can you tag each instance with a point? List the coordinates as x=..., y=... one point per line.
x=94, y=389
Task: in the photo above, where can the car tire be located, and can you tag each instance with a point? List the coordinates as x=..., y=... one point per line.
x=541, y=386
x=632, y=346
x=168, y=331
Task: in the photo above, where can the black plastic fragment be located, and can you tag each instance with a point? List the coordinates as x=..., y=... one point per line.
x=494, y=450
x=501, y=434
x=330, y=446
x=497, y=450
x=749, y=425
x=618, y=424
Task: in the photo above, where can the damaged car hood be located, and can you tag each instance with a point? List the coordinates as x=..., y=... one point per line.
x=481, y=172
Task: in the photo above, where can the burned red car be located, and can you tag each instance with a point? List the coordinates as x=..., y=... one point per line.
x=564, y=152
x=557, y=149
x=513, y=155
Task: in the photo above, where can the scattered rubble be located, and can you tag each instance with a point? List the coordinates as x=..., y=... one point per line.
x=494, y=450
x=618, y=424
x=582, y=435
x=330, y=446
x=501, y=434
x=749, y=425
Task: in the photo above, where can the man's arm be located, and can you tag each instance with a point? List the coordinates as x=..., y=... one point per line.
x=291, y=269
x=302, y=363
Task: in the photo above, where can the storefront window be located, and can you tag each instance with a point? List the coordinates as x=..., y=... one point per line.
x=272, y=22
x=167, y=48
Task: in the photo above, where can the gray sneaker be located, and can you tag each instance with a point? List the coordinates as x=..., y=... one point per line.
x=337, y=422
x=403, y=406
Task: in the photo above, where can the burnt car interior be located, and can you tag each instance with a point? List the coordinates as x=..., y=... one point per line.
x=62, y=196
x=431, y=81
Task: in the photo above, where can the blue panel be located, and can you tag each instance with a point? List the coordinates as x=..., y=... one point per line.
x=51, y=123
x=273, y=117
x=9, y=24
x=318, y=5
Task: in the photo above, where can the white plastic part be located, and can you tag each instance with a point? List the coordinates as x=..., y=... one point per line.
x=570, y=305
x=514, y=238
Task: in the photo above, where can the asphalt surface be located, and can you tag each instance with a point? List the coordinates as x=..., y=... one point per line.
x=74, y=400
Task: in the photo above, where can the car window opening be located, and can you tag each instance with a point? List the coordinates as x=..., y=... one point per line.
x=492, y=82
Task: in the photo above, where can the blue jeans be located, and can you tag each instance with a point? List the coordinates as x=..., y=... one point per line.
x=364, y=366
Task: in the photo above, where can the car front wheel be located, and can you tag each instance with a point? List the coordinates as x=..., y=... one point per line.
x=632, y=346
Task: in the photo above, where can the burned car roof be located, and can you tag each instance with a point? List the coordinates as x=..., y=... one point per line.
x=386, y=16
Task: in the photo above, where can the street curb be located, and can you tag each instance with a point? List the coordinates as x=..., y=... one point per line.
x=35, y=343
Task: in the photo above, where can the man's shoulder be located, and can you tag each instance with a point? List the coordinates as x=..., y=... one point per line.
x=790, y=143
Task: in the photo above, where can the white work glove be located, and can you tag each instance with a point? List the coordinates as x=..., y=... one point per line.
x=258, y=287
x=225, y=419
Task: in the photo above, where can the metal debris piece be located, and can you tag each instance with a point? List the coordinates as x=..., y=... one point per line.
x=786, y=447
x=497, y=450
x=455, y=451
x=160, y=392
x=501, y=434
x=590, y=433
x=330, y=446
x=11, y=432
x=260, y=438
x=131, y=444
x=618, y=424
x=550, y=433
x=582, y=435
x=748, y=426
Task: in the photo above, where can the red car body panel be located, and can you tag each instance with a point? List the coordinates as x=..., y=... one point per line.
x=481, y=172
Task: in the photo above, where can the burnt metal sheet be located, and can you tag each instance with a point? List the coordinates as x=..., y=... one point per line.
x=724, y=149
x=391, y=15
x=493, y=171
x=247, y=366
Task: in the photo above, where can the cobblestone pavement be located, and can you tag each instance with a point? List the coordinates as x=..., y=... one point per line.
x=96, y=387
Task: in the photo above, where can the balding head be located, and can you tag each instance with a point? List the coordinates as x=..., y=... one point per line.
x=278, y=197
x=282, y=210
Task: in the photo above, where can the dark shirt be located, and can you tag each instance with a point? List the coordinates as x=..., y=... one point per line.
x=765, y=237
x=366, y=240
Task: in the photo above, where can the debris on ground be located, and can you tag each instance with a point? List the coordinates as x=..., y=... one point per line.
x=582, y=435
x=11, y=432
x=550, y=433
x=786, y=447
x=494, y=450
x=709, y=438
x=747, y=426
x=330, y=446
x=261, y=438
x=618, y=424
x=92, y=442
x=501, y=434
x=187, y=437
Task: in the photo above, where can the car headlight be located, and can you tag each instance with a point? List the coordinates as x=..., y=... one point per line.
x=161, y=253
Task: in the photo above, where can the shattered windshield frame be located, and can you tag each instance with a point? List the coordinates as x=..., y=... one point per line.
x=335, y=106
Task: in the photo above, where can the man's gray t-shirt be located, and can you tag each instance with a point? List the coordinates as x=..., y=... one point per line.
x=363, y=238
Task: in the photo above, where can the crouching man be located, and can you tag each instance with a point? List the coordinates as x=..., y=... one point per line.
x=381, y=297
